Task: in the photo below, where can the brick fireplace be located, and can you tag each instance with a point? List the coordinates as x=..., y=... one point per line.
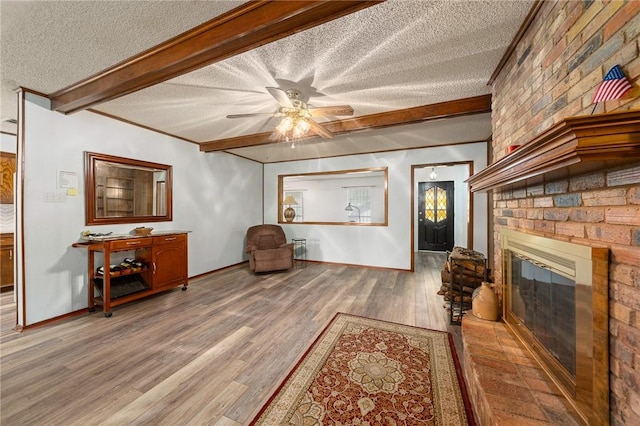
x=548, y=75
x=577, y=182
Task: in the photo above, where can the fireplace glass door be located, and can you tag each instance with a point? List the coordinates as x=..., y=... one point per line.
x=544, y=301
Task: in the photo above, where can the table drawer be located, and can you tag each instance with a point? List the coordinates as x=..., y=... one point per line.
x=6, y=240
x=169, y=239
x=130, y=244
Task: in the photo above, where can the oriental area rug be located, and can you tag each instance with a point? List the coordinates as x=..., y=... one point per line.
x=362, y=371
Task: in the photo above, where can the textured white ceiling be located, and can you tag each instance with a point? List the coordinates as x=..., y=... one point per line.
x=48, y=45
x=398, y=54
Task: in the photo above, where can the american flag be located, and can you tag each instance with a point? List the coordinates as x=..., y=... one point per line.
x=614, y=86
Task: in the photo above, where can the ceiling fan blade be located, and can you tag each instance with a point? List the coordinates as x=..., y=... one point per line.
x=281, y=96
x=255, y=114
x=331, y=110
x=319, y=130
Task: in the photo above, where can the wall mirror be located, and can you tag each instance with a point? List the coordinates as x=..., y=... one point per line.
x=344, y=197
x=124, y=190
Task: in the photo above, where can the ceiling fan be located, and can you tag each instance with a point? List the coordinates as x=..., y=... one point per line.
x=297, y=117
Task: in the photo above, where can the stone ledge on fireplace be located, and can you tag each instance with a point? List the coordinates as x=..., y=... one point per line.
x=506, y=385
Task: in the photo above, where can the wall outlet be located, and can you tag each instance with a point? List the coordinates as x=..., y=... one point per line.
x=53, y=197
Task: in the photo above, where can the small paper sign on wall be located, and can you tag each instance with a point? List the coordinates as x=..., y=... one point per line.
x=68, y=181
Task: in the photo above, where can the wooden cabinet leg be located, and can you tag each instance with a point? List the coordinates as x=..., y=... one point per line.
x=91, y=266
x=106, y=284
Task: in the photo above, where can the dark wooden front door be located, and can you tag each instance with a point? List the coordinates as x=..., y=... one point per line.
x=435, y=216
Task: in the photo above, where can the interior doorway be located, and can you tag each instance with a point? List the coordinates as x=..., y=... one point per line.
x=436, y=218
x=460, y=201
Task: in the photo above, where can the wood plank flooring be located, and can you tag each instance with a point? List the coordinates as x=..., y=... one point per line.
x=211, y=355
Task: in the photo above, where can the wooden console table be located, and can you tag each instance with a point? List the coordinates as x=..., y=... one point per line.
x=164, y=260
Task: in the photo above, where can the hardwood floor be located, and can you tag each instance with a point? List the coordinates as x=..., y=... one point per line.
x=210, y=355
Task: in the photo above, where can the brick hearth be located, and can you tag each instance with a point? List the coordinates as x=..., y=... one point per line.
x=506, y=385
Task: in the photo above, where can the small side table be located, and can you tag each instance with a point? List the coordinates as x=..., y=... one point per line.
x=299, y=249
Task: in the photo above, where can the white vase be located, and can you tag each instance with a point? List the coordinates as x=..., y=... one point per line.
x=484, y=302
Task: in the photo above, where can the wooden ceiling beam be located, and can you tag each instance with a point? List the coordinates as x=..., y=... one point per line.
x=246, y=27
x=459, y=107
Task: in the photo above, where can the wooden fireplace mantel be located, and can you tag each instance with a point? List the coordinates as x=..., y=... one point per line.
x=574, y=146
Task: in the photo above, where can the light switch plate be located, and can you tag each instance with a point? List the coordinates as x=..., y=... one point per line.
x=53, y=197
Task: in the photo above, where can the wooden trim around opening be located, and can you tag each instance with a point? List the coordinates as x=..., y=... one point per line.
x=281, y=190
x=470, y=223
x=20, y=296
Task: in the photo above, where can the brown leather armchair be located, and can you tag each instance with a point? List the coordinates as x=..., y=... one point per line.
x=268, y=249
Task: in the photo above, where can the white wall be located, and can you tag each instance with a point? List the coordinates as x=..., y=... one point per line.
x=382, y=246
x=215, y=196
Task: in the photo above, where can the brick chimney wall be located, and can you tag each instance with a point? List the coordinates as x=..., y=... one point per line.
x=553, y=74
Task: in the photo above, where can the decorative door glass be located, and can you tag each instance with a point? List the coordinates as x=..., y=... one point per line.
x=435, y=204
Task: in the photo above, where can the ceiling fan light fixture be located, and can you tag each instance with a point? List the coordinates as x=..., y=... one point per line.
x=297, y=132
x=285, y=125
x=303, y=124
x=293, y=125
x=297, y=120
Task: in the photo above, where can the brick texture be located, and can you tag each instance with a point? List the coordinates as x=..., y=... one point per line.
x=506, y=385
x=553, y=74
